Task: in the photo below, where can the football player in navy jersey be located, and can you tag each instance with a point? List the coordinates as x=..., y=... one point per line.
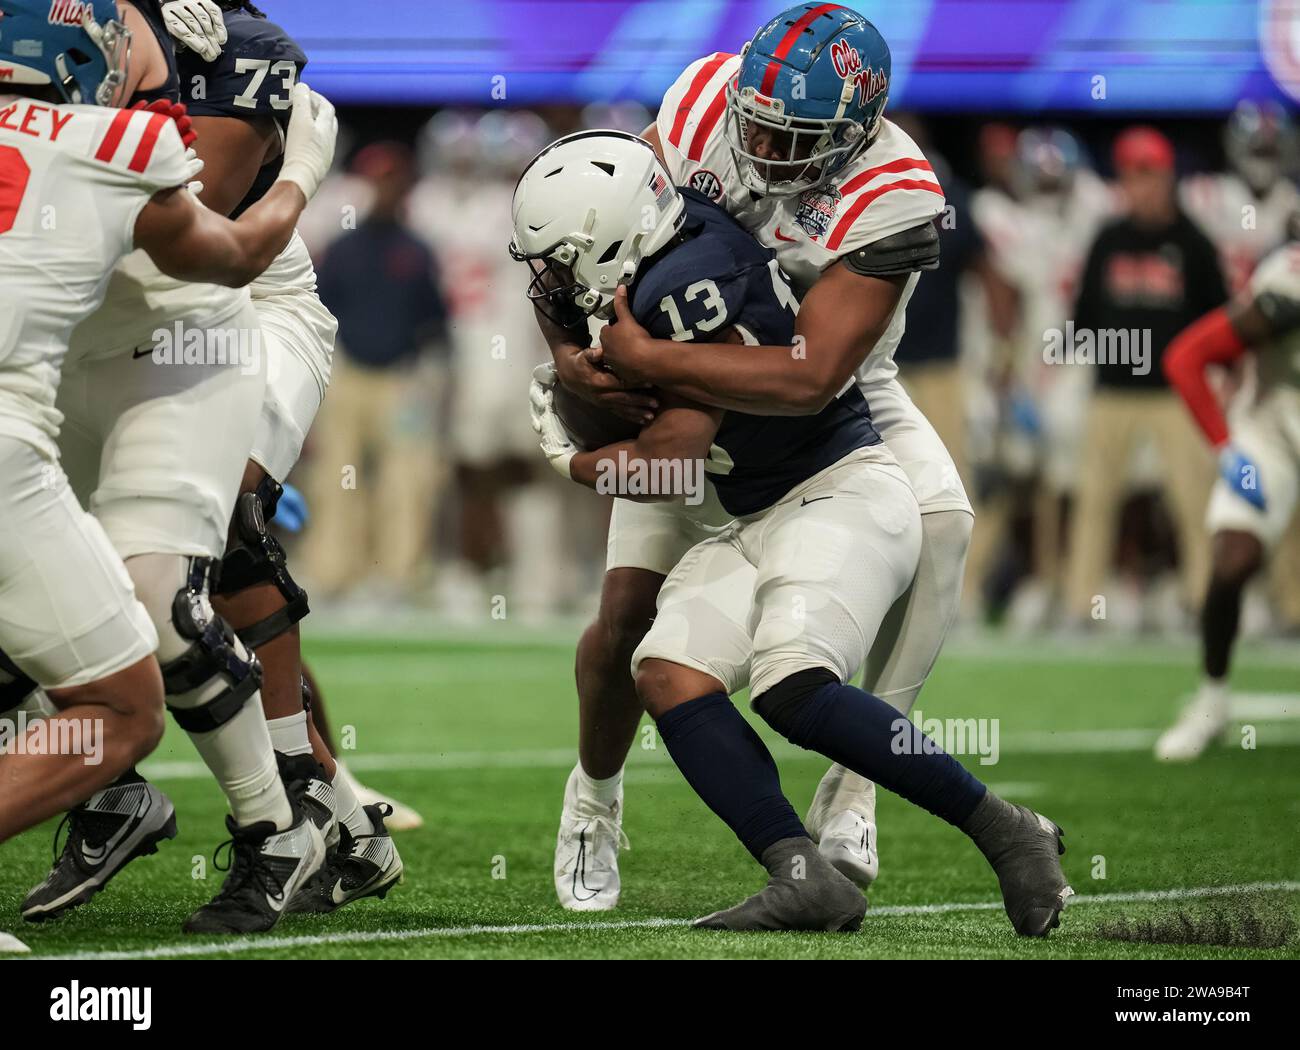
x=240, y=106
x=788, y=597
x=238, y=102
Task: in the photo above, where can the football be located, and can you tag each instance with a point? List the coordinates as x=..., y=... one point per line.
x=589, y=425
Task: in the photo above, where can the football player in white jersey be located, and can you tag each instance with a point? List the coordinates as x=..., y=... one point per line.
x=790, y=137
x=1258, y=445
x=85, y=185
x=1039, y=242
x=1245, y=211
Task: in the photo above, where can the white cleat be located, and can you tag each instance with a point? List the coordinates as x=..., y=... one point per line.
x=1201, y=723
x=402, y=817
x=10, y=943
x=586, y=851
x=842, y=821
x=849, y=843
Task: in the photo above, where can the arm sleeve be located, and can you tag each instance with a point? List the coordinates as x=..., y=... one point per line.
x=1211, y=340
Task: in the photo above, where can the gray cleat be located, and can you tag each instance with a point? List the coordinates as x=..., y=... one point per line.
x=803, y=893
x=1024, y=848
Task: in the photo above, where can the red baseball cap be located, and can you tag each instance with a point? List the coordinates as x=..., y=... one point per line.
x=1143, y=148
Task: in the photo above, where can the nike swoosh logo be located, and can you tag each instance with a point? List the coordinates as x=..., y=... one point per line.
x=147, y=352
x=781, y=237
x=338, y=893
x=818, y=499
x=96, y=855
x=580, y=870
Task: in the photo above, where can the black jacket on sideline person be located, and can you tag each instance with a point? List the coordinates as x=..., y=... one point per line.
x=1142, y=279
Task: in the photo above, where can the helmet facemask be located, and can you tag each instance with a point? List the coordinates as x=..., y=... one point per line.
x=113, y=39
x=815, y=149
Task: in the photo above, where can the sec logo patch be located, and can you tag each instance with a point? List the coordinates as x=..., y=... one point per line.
x=705, y=182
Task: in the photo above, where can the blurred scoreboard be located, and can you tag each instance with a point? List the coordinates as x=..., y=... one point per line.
x=1097, y=56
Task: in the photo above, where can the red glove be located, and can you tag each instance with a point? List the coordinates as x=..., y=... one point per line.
x=175, y=110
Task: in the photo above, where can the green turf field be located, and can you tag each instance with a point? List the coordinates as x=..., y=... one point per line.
x=479, y=735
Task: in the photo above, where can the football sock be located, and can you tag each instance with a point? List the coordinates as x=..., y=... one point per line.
x=606, y=791
x=289, y=734
x=347, y=808
x=240, y=756
x=1220, y=617
x=730, y=768
x=815, y=711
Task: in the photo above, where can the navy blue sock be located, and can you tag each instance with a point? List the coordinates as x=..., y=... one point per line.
x=860, y=731
x=731, y=769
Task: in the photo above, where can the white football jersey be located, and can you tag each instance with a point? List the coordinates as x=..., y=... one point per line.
x=888, y=189
x=73, y=180
x=1244, y=228
x=467, y=225
x=1275, y=288
x=1040, y=246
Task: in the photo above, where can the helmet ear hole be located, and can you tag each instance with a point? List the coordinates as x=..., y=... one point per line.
x=609, y=253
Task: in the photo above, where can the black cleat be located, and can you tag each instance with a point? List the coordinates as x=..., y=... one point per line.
x=266, y=868
x=803, y=893
x=115, y=825
x=364, y=866
x=308, y=785
x=1024, y=849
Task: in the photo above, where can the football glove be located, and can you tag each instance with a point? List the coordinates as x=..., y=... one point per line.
x=196, y=24
x=309, y=142
x=291, y=509
x=1242, y=476
x=556, y=444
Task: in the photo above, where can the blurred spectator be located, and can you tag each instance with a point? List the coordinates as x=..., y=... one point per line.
x=1040, y=239
x=509, y=533
x=1149, y=274
x=375, y=462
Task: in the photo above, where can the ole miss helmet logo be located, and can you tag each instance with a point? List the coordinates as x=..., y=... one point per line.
x=848, y=66
x=705, y=182
x=68, y=12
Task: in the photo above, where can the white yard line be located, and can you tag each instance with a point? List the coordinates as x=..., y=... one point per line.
x=1036, y=742
x=259, y=944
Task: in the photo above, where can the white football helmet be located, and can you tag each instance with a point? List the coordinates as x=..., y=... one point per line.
x=587, y=210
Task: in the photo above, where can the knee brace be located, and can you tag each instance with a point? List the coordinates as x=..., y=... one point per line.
x=15, y=686
x=214, y=675
x=782, y=706
x=259, y=558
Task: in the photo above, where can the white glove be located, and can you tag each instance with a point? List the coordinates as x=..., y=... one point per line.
x=193, y=165
x=196, y=24
x=309, y=142
x=557, y=446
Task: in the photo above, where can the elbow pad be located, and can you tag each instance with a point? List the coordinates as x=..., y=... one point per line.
x=903, y=253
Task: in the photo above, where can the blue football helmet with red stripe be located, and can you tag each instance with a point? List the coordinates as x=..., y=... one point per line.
x=77, y=46
x=809, y=98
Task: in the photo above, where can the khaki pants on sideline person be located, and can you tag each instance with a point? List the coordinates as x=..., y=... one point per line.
x=373, y=476
x=1117, y=420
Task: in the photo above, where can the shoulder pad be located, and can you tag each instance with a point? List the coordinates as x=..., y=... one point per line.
x=901, y=253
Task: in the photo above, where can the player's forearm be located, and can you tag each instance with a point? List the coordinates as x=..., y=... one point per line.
x=1211, y=340
x=760, y=380
x=260, y=234
x=619, y=470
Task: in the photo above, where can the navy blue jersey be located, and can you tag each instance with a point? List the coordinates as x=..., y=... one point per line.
x=722, y=278
x=169, y=89
x=252, y=77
